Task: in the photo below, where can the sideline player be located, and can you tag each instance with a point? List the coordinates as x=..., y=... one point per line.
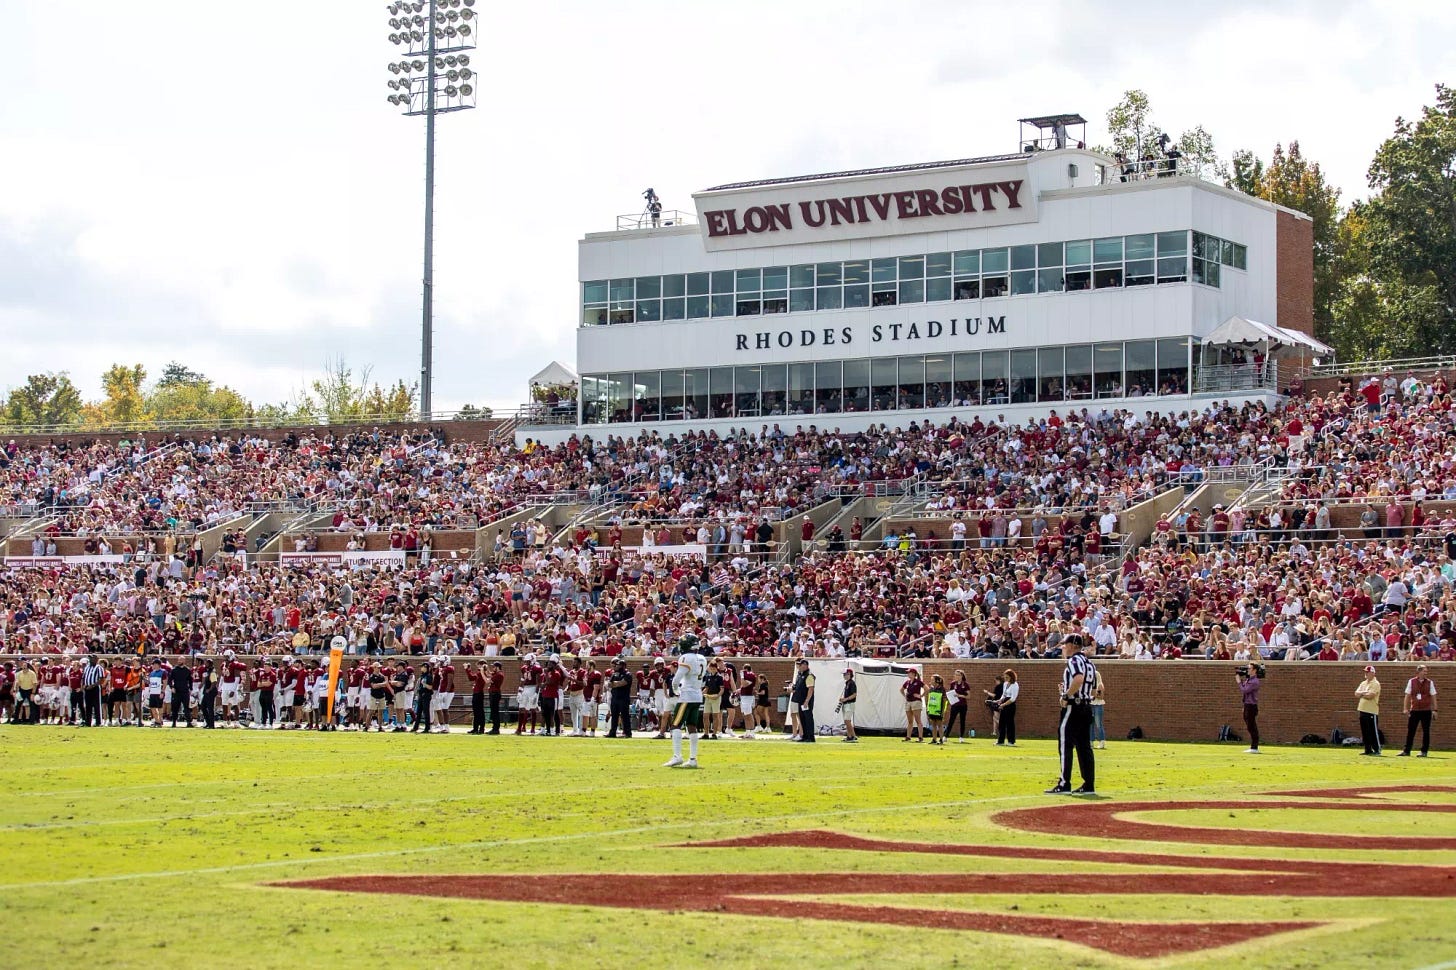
x=687, y=684
x=231, y=689
x=528, y=698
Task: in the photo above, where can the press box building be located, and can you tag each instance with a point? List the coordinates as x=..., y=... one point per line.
x=1050, y=278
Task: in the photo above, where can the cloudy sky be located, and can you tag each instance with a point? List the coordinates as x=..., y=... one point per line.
x=224, y=184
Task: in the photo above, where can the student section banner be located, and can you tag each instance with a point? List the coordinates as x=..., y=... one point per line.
x=339, y=558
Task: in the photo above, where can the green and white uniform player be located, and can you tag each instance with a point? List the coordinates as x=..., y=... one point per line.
x=687, y=684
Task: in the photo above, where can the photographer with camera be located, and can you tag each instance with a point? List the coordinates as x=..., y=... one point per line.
x=1249, y=677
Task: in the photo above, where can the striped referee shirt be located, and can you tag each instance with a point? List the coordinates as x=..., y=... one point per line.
x=1078, y=664
x=92, y=675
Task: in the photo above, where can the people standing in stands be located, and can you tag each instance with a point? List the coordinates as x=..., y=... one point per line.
x=1367, y=696
x=1420, y=708
x=1006, y=708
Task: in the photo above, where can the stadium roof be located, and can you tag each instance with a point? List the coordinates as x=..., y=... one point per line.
x=852, y=173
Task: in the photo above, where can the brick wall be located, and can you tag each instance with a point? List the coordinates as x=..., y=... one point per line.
x=1183, y=700
x=1294, y=272
x=1187, y=700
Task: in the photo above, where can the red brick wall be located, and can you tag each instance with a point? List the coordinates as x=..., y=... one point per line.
x=1294, y=272
x=1180, y=700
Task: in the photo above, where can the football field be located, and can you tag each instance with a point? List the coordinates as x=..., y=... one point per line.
x=162, y=848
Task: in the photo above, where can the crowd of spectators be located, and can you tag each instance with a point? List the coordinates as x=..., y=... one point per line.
x=1296, y=575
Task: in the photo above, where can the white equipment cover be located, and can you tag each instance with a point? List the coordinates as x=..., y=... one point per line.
x=880, y=706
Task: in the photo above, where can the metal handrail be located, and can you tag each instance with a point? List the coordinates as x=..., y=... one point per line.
x=253, y=423
x=1376, y=366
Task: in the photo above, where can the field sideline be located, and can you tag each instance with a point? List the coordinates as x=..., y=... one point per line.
x=168, y=848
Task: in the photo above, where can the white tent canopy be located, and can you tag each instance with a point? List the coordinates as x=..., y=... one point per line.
x=1242, y=331
x=554, y=373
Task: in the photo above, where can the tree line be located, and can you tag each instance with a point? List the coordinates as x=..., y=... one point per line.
x=1385, y=266
x=181, y=395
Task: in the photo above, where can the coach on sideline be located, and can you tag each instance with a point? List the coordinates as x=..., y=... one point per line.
x=1078, y=678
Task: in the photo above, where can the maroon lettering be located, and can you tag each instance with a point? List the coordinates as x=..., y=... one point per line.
x=813, y=218
x=927, y=201
x=905, y=205
x=881, y=204
x=950, y=201
x=717, y=222
x=859, y=208
x=1012, y=191
x=967, y=195
x=841, y=211
x=984, y=190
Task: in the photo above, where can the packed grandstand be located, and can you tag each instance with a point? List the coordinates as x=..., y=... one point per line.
x=1325, y=529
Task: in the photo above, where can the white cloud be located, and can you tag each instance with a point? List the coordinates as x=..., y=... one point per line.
x=225, y=184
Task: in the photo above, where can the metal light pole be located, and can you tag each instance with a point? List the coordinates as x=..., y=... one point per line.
x=436, y=34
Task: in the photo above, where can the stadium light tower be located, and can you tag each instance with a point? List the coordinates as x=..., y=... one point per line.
x=435, y=36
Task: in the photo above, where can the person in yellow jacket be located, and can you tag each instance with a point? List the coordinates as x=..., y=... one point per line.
x=1367, y=702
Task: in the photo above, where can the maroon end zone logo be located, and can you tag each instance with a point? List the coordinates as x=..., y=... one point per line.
x=762, y=894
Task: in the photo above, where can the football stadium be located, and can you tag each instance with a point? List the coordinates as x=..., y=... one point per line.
x=1132, y=457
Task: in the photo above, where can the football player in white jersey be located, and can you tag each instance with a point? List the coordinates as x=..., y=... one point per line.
x=687, y=684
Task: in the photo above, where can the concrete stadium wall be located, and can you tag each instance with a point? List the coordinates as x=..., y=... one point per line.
x=1181, y=700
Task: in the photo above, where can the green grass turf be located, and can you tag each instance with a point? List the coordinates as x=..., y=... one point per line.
x=155, y=848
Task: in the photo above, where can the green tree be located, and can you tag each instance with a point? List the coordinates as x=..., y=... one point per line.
x=1199, y=155
x=1383, y=319
x=338, y=396
x=174, y=374
x=44, y=399
x=1130, y=124
x=1247, y=174
x=472, y=413
x=197, y=401
x=1411, y=217
x=123, y=401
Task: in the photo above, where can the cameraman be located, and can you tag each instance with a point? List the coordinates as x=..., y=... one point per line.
x=1247, y=677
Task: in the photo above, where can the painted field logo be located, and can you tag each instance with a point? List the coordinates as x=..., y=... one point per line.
x=762, y=894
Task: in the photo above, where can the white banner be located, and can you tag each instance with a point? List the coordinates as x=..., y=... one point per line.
x=691, y=549
x=338, y=558
x=61, y=560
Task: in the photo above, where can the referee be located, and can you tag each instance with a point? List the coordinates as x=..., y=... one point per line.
x=91, y=678
x=1075, y=731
